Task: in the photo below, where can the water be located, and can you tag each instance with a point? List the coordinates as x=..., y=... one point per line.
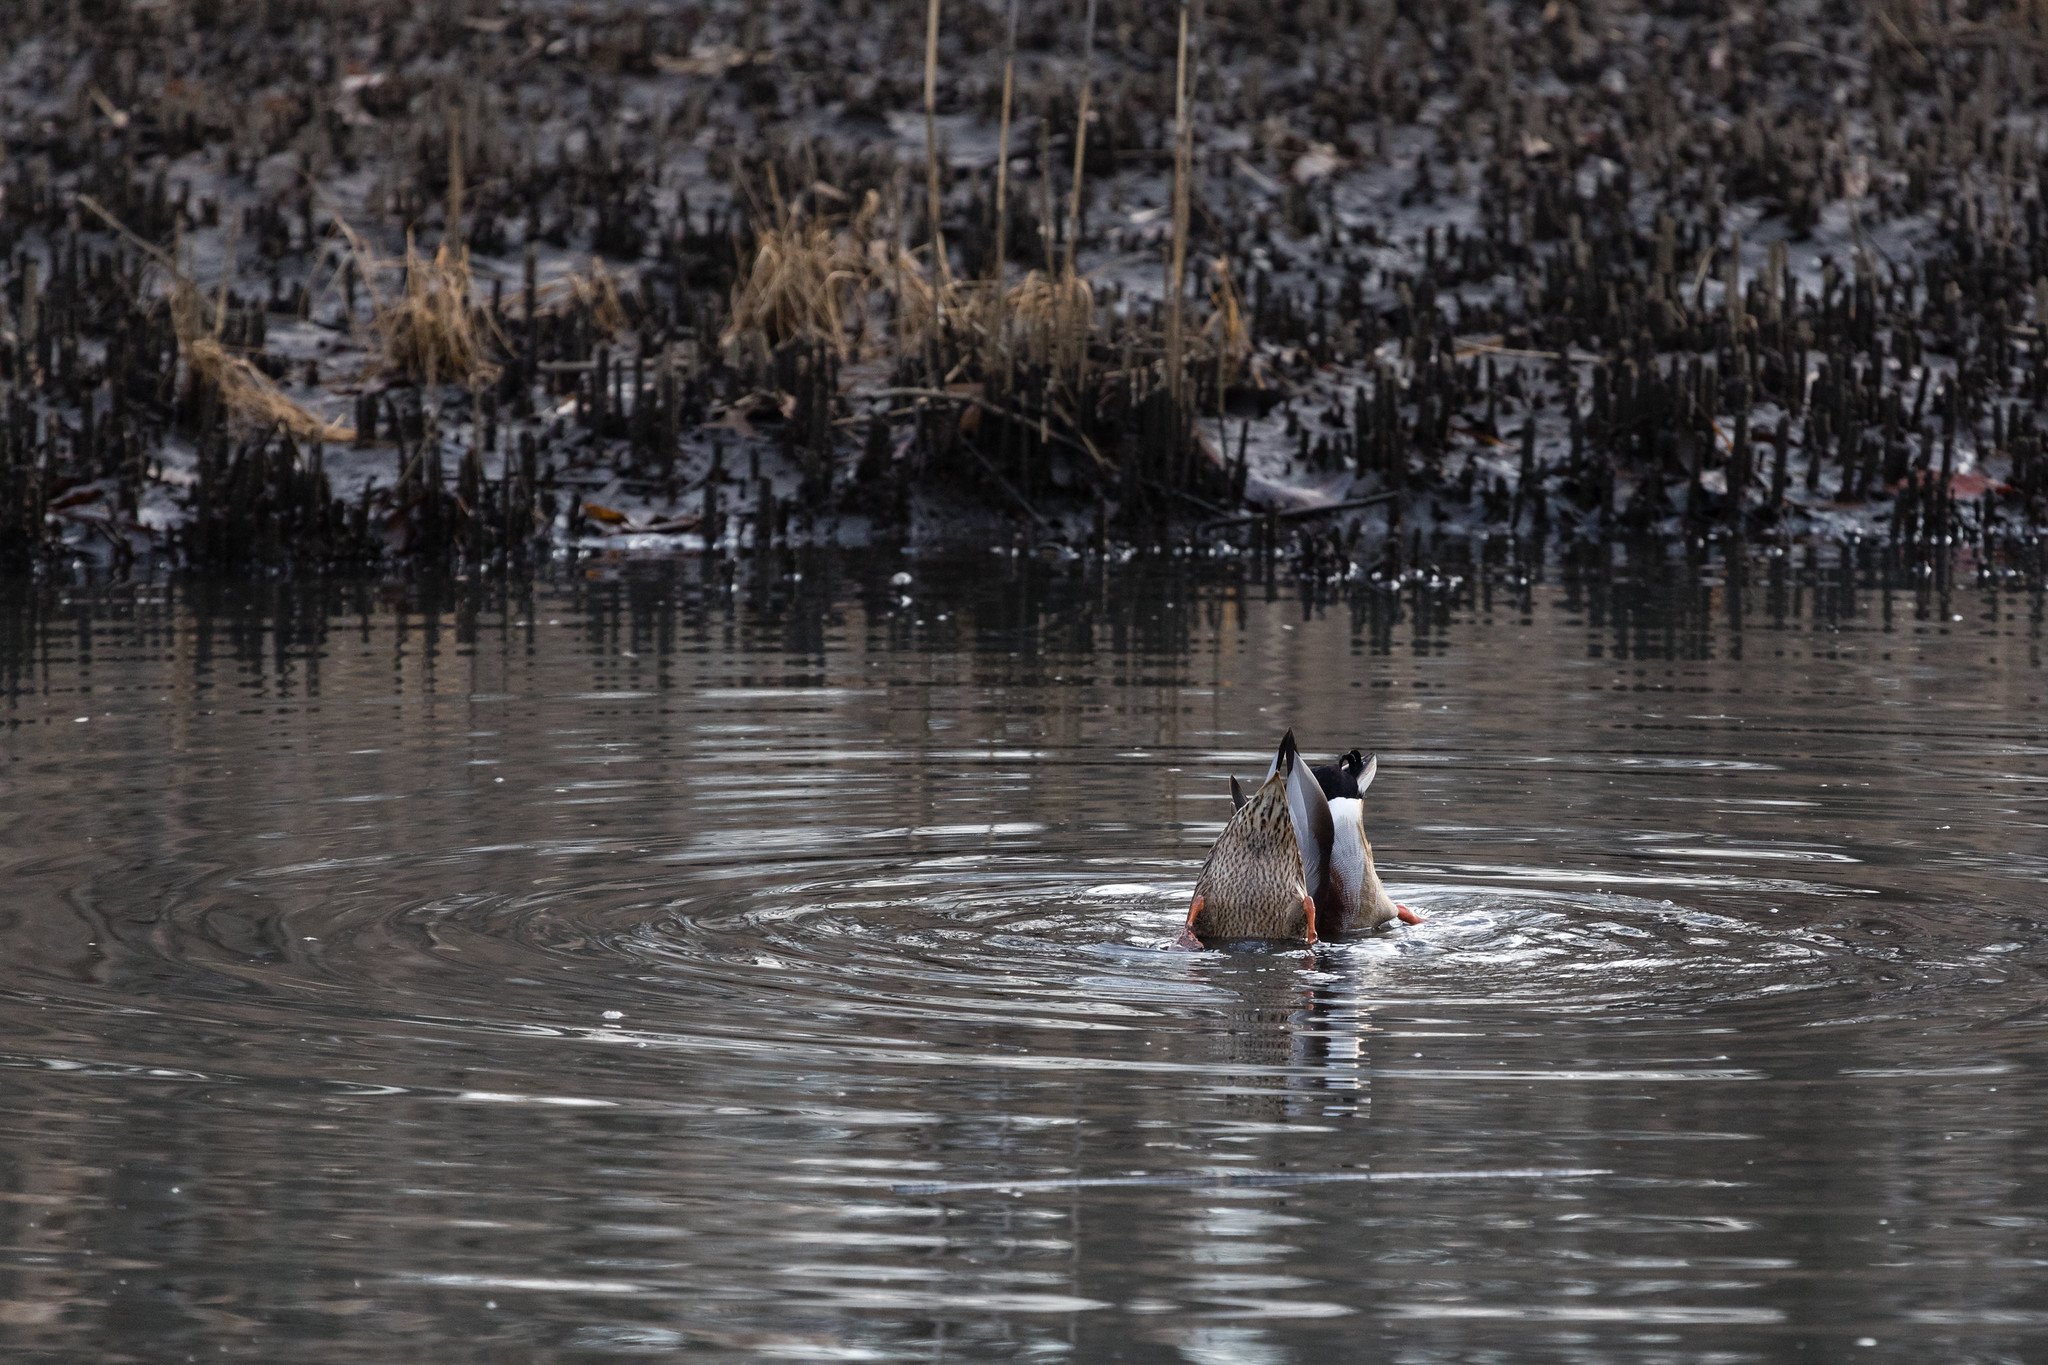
x=574, y=972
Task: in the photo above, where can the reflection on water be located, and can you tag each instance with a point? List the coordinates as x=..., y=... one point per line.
x=575, y=969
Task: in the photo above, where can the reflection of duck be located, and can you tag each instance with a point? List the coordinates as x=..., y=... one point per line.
x=1294, y=861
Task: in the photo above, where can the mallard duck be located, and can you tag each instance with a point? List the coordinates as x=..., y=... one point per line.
x=1348, y=777
x=1294, y=862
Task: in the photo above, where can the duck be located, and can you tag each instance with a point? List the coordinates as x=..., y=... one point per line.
x=1293, y=862
x=1348, y=777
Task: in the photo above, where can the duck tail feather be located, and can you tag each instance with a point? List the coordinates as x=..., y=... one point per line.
x=1237, y=796
x=1315, y=833
x=1285, y=758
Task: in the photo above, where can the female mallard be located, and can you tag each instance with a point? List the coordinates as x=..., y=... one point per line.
x=1293, y=862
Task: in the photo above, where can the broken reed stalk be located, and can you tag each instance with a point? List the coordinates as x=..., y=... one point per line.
x=1232, y=338
x=1176, y=273
x=454, y=230
x=996, y=327
x=900, y=192
x=1081, y=135
x=227, y=273
x=1045, y=198
x=931, y=164
x=245, y=391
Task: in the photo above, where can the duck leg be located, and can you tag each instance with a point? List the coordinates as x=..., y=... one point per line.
x=1407, y=916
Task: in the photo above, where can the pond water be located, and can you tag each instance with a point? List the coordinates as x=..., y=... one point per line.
x=609, y=966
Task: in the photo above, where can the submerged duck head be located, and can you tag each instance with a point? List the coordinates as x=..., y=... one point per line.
x=1294, y=862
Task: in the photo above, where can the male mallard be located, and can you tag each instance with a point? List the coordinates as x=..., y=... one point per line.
x=1294, y=861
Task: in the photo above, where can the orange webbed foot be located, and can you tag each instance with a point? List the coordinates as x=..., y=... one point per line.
x=1407, y=916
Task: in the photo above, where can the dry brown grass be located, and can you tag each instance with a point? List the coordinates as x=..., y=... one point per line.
x=1225, y=332
x=431, y=331
x=807, y=279
x=597, y=292
x=820, y=278
x=1057, y=316
x=961, y=310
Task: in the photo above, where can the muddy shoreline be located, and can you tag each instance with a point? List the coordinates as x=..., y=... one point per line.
x=1464, y=278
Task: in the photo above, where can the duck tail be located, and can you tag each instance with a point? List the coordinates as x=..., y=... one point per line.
x=1285, y=758
x=1309, y=811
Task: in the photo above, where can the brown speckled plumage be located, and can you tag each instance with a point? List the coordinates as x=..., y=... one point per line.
x=1251, y=887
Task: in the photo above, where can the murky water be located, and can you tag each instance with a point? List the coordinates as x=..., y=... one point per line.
x=574, y=973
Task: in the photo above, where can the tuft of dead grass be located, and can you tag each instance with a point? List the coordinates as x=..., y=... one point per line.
x=957, y=309
x=820, y=278
x=432, y=330
x=810, y=278
x=1056, y=314
x=597, y=292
